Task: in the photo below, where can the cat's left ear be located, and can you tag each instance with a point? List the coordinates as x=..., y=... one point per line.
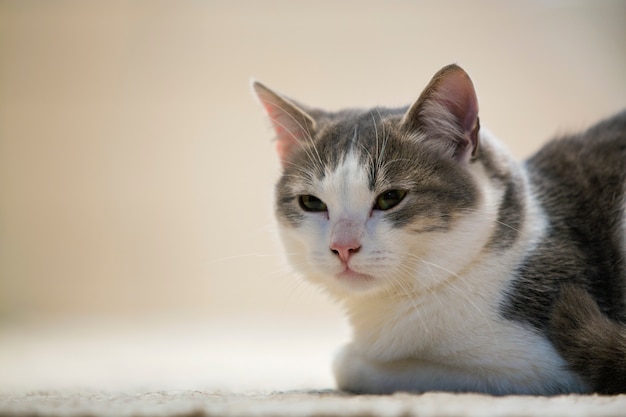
x=293, y=126
x=447, y=112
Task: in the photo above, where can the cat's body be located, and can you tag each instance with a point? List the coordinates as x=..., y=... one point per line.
x=454, y=262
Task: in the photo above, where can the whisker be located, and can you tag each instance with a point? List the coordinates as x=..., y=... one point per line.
x=477, y=212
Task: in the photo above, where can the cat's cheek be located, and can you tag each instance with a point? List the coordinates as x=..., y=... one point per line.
x=389, y=248
x=305, y=253
x=402, y=260
x=296, y=249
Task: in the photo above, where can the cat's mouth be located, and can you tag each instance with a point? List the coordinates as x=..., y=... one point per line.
x=352, y=277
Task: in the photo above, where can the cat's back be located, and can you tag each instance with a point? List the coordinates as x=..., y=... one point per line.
x=579, y=182
x=597, y=153
x=581, y=178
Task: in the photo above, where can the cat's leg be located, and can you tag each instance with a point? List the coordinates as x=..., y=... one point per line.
x=356, y=373
x=593, y=344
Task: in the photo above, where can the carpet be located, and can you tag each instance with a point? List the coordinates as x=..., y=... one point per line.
x=301, y=403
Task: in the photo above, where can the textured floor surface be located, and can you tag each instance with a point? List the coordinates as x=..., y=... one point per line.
x=301, y=403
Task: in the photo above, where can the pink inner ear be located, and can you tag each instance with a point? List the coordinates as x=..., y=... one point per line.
x=276, y=116
x=271, y=109
x=458, y=95
x=287, y=130
x=283, y=149
x=456, y=92
x=293, y=126
x=447, y=111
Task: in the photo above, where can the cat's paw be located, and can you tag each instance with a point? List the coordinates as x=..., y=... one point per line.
x=355, y=374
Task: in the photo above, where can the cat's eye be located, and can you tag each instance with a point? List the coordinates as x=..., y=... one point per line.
x=389, y=199
x=311, y=203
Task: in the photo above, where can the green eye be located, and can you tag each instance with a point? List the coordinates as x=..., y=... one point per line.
x=311, y=203
x=389, y=199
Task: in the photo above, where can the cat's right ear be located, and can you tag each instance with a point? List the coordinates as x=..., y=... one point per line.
x=447, y=113
x=293, y=126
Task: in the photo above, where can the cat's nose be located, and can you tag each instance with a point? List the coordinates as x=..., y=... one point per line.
x=345, y=250
x=345, y=238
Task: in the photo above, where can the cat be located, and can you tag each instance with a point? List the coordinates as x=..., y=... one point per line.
x=459, y=269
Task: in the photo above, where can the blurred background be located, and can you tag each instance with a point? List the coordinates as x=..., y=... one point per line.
x=136, y=168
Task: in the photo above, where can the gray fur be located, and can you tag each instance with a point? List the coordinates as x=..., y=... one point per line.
x=580, y=181
x=593, y=344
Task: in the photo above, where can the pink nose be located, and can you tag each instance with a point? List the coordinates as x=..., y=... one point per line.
x=345, y=239
x=345, y=250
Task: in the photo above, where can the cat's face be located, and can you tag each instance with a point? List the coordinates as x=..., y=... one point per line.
x=369, y=200
x=366, y=212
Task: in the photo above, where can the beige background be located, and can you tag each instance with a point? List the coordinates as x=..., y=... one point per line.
x=136, y=169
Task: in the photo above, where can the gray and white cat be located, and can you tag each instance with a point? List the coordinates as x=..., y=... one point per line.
x=459, y=268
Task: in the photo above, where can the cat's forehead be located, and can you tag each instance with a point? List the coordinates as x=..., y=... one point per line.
x=349, y=185
x=358, y=131
x=350, y=174
x=349, y=138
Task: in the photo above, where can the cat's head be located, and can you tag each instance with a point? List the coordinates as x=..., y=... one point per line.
x=380, y=199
